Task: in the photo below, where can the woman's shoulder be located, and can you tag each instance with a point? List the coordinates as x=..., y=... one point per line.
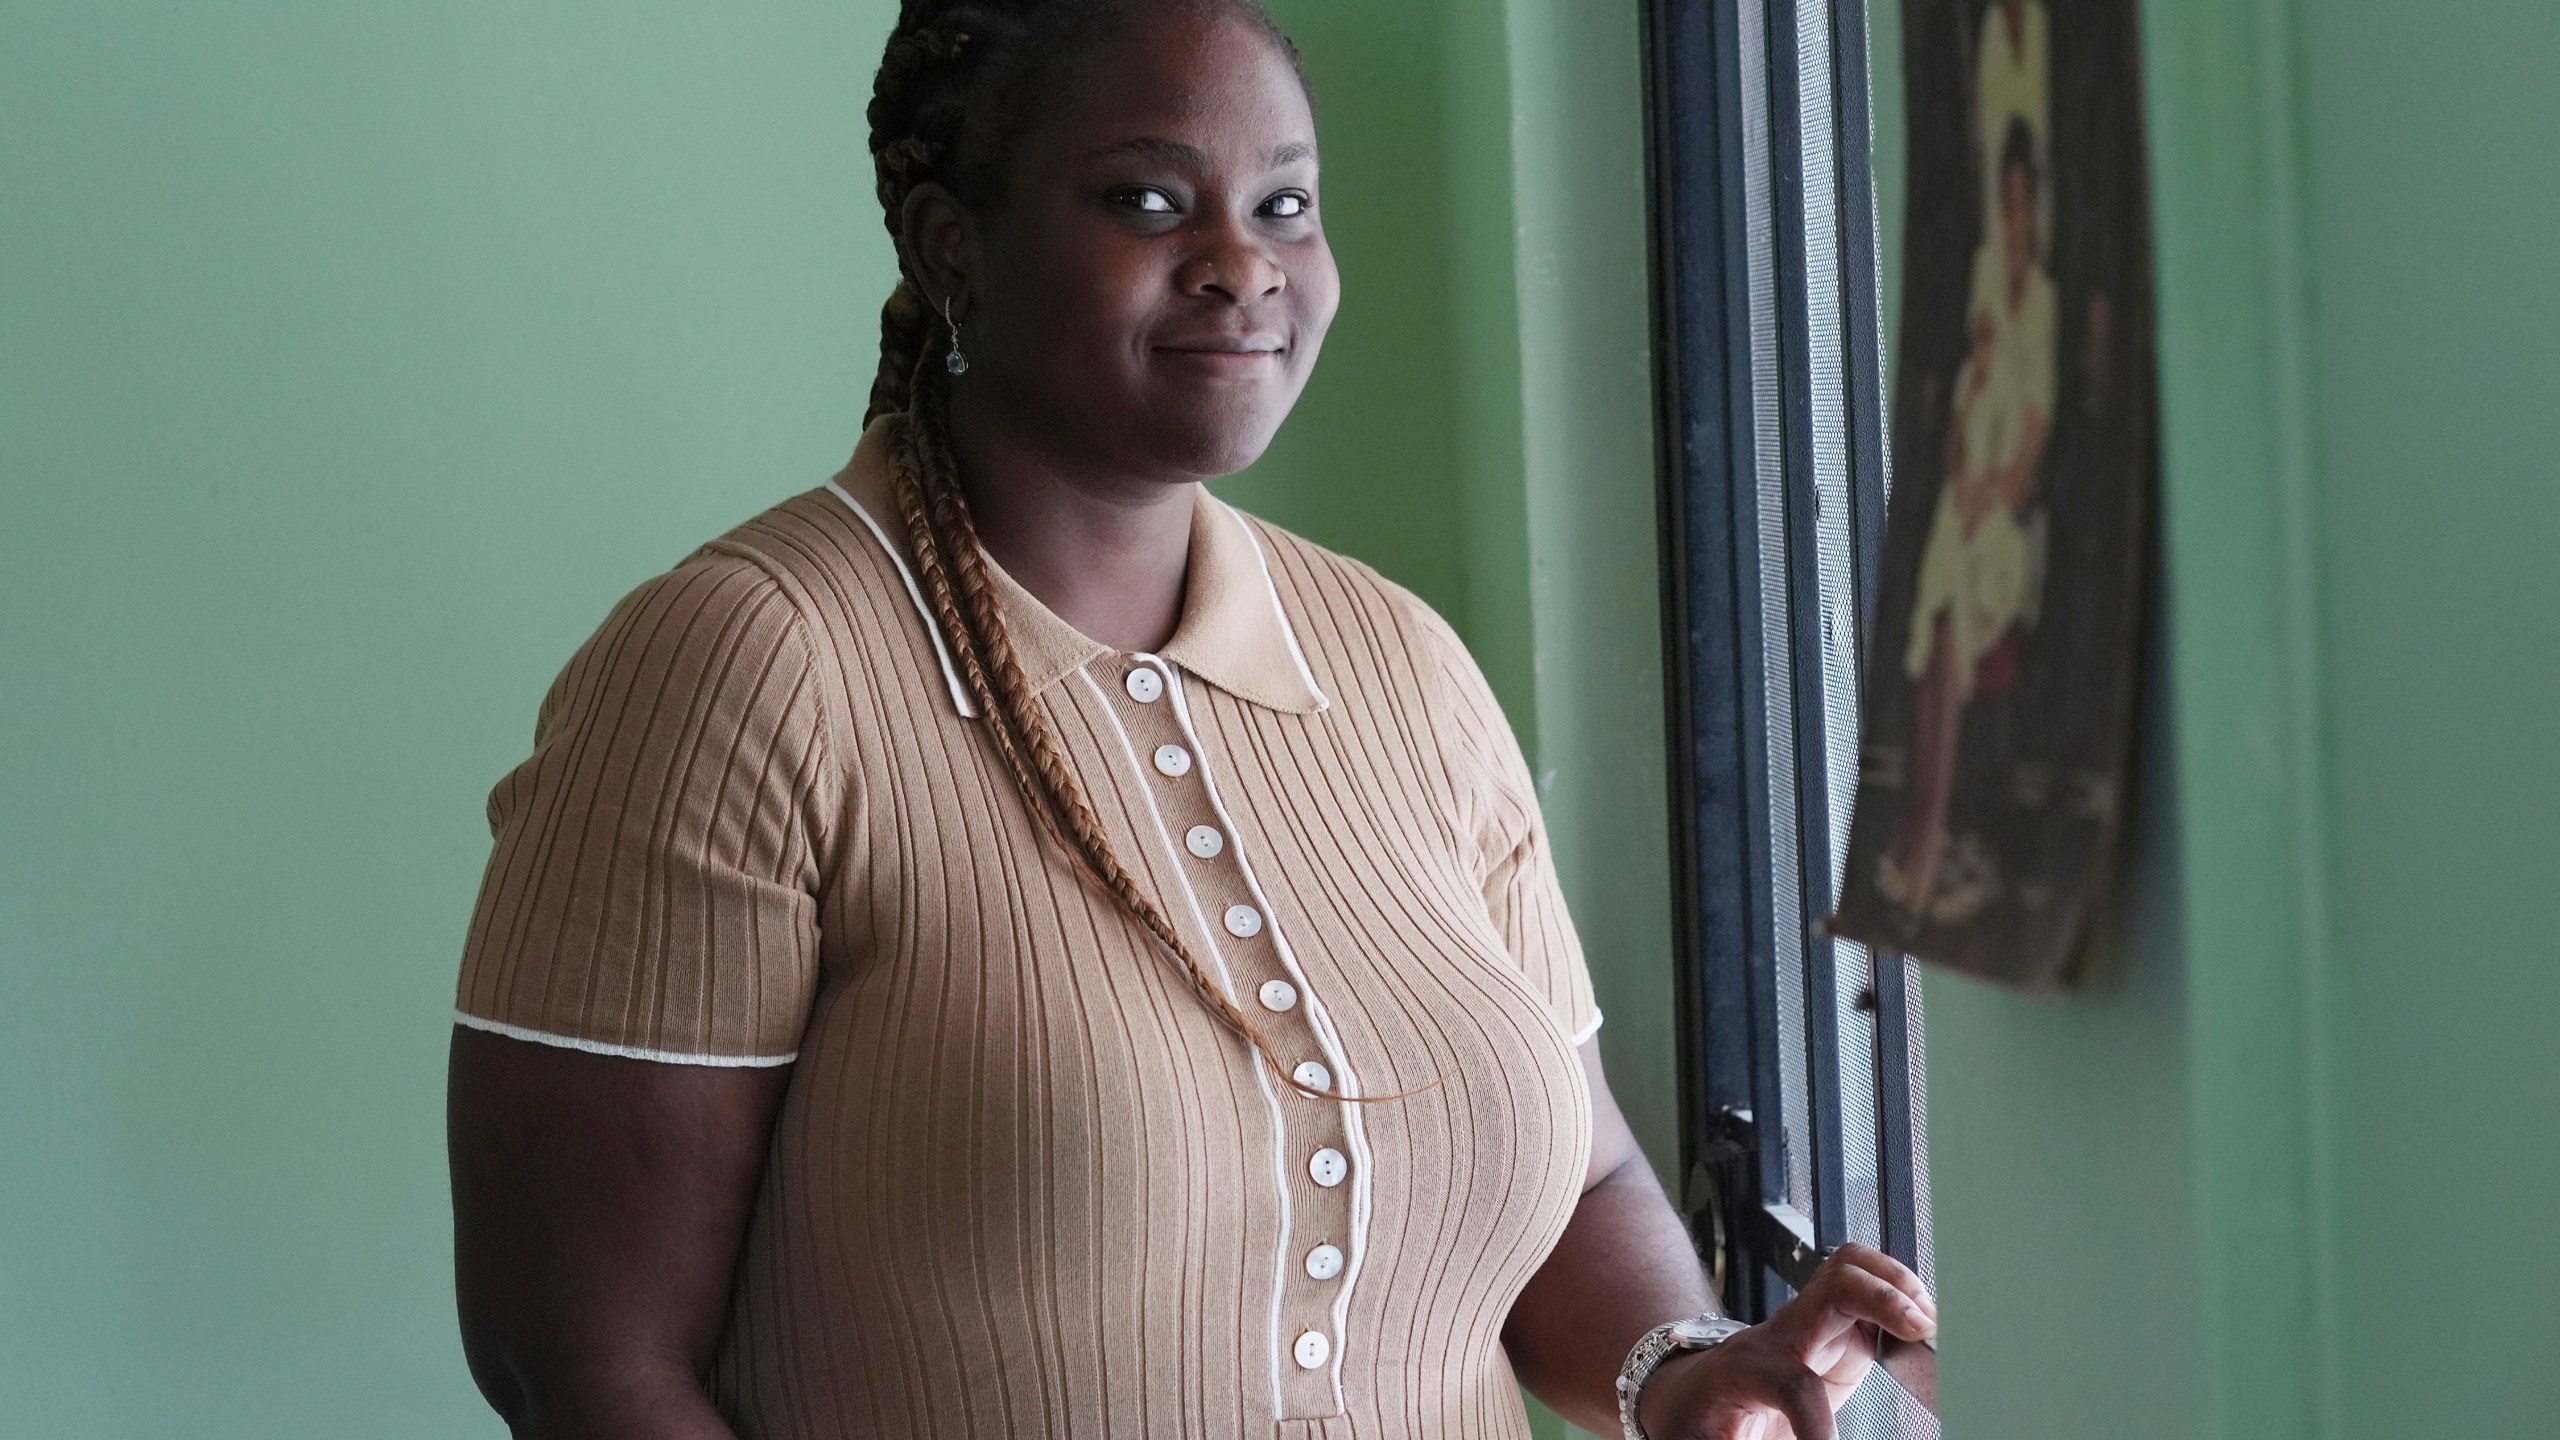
x=1321, y=588
x=806, y=583
x=1354, y=620
x=768, y=565
x=717, y=627
x=818, y=546
x=837, y=565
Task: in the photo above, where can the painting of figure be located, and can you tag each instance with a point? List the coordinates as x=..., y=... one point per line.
x=2002, y=672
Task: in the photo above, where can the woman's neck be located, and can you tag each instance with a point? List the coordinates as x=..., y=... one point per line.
x=1107, y=554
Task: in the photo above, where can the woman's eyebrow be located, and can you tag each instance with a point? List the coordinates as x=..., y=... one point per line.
x=1151, y=147
x=1182, y=155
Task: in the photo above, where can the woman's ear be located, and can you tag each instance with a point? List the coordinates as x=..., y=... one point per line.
x=938, y=238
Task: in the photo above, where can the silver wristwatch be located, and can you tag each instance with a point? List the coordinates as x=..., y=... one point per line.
x=1660, y=1344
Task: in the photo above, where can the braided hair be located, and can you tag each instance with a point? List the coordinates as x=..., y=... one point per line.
x=958, y=83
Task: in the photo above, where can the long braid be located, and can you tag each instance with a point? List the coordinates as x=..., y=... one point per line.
x=937, y=56
x=936, y=514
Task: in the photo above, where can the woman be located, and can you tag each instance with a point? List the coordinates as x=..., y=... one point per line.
x=1981, y=569
x=1066, y=958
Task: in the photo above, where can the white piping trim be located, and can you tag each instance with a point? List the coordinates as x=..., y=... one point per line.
x=1355, y=1130
x=1261, y=1071
x=932, y=627
x=628, y=1052
x=1583, y=1036
x=1272, y=589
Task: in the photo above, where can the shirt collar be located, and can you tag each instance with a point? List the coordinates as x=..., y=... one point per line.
x=1234, y=632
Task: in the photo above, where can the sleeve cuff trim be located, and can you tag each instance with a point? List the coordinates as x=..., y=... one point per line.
x=628, y=1052
x=1583, y=1036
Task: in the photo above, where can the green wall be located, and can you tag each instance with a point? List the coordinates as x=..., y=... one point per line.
x=2284, y=1172
x=2431, y=239
x=354, y=359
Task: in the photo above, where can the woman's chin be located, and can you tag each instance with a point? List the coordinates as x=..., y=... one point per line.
x=1214, y=444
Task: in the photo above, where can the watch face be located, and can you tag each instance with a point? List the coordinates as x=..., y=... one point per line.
x=1696, y=1330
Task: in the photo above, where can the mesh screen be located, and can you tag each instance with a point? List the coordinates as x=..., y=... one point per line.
x=1827, y=381
x=1919, y=1082
x=1880, y=1410
x=1777, y=630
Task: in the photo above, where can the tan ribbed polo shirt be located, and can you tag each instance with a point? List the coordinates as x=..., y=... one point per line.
x=1023, y=1182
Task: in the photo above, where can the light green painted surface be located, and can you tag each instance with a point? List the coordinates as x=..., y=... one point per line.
x=354, y=359
x=1585, y=421
x=2432, y=222
x=2239, y=491
x=1594, y=586
x=2065, y=1220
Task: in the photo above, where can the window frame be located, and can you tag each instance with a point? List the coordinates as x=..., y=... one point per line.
x=1759, y=1239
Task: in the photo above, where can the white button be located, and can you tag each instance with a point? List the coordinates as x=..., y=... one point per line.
x=1205, y=841
x=1278, y=995
x=1311, y=1349
x=1145, y=685
x=1244, y=922
x=1312, y=1075
x=1173, y=760
x=1328, y=1166
x=1324, y=1262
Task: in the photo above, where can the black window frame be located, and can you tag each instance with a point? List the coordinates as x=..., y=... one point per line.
x=1762, y=1241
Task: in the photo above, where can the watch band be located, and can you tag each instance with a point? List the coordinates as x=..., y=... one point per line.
x=1660, y=1344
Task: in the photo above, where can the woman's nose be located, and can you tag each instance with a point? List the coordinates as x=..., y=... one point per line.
x=1233, y=270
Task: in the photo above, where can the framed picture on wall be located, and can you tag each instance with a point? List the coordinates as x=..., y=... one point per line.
x=2001, y=674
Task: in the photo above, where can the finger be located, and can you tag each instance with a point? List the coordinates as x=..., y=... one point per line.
x=1850, y=1293
x=1806, y=1402
x=1893, y=1272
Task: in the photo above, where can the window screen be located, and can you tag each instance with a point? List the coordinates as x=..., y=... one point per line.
x=1802, y=1095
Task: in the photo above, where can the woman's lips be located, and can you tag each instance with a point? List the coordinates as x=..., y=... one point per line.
x=1227, y=356
x=1223, y=343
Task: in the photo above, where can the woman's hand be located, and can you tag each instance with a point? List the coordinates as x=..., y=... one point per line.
x=1785, y=1376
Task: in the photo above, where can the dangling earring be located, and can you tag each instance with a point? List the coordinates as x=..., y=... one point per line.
x=955, y=362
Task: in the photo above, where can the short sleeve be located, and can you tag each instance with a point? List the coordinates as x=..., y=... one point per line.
x=652, y=891
x=1500, y=820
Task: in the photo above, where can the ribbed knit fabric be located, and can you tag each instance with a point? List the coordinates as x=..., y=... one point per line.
x=1023, y=1183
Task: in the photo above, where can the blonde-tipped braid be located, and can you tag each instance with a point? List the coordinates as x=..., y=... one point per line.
x=952, y=568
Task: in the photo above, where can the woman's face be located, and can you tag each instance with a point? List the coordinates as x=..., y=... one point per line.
x=2018, y=221
x=1150, y=293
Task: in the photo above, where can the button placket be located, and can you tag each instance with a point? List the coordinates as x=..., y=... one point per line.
x=1328, y=1187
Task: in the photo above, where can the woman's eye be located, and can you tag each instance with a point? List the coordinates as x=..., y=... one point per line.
x=1146, y=199
x=1289, y=205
